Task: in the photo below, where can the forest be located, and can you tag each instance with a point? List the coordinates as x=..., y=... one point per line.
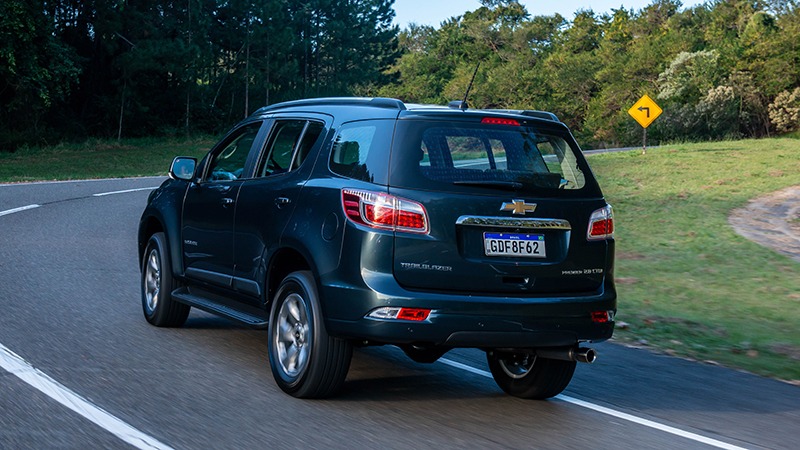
x=73, y=69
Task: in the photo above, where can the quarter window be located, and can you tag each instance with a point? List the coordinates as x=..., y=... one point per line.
x=361, y=150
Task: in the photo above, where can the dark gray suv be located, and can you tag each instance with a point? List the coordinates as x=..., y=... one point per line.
x=347, y=222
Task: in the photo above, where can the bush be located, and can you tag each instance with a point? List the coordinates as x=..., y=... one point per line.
x=784, y=112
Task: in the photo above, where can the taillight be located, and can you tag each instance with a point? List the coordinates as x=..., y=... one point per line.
x=387, y=212
x=499, y=121
x=601, y=224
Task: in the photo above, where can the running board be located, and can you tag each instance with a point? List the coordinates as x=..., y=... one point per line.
x=184, y=296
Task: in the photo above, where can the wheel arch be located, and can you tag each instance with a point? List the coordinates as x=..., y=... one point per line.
x=152, y=223
x=283, y=262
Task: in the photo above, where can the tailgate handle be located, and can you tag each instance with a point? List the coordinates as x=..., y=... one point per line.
x=514, y=222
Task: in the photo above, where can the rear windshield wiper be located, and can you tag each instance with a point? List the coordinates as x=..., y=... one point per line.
x=510, y=185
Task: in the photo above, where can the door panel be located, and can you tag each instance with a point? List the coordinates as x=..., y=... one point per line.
x=208, y=229
x=210, y=205
x=266, y=203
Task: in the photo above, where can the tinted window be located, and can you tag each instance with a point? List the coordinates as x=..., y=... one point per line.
x=435, y=154
x=228, y=161
x=360, y=150
x=288, y=146
x=310, y=137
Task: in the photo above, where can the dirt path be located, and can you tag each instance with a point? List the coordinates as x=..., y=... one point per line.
x=772, y=220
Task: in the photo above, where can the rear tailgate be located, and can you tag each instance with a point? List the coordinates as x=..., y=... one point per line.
x=508, y=209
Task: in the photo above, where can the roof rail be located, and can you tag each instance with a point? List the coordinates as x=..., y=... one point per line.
x=377, y=102
x=530, y=113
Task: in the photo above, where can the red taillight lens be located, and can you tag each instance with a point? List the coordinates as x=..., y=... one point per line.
x=601, y=224
x=382, y=215
x=378, y=210
x=415, y=314
x=499, y=121
x=603, y=227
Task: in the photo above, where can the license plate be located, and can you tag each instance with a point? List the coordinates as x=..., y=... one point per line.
x=514, y=244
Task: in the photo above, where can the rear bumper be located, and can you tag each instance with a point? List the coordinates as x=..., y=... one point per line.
x=466, y=320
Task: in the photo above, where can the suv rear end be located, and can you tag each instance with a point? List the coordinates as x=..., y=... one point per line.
x=487, y=229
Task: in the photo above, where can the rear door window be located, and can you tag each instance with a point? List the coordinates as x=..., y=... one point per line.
x=288, y=146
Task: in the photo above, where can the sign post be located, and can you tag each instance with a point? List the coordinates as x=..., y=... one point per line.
x=645, y=111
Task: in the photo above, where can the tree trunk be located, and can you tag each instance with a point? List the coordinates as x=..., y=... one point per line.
x=121, y=110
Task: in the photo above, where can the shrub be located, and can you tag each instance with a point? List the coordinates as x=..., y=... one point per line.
x=784, y=112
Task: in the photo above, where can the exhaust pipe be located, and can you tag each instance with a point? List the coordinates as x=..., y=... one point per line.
x=579, y=354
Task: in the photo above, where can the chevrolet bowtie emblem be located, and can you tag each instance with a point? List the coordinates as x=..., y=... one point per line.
x=518, y=207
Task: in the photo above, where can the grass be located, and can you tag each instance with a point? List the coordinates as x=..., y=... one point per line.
x=98, y=159
x=688, y=284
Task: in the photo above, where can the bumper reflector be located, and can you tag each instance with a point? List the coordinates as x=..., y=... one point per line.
x=602, y=316
x=397, y=313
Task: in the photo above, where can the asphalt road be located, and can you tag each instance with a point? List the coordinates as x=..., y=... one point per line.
x=71, y=325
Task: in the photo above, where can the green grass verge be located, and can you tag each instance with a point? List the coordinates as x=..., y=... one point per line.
x=688, y=284
x=98, y=159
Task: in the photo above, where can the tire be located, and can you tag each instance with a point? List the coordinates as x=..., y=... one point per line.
x=528, y=376
x=157, y=285
x=305, y=361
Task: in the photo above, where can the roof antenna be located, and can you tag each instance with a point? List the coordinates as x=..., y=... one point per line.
x=464, y=104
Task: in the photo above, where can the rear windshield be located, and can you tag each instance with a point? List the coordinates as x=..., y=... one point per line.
x=448, y=155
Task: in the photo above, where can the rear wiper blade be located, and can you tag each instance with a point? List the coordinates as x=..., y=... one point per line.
x=495, y=184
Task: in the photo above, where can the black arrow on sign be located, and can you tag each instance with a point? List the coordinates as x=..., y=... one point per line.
x=643, y=108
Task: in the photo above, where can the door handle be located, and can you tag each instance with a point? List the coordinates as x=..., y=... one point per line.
x=227, y=201
x=282, y=201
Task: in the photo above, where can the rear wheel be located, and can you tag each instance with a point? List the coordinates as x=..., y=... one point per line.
x=305, y=361
x=526, y=375
x=157, y=285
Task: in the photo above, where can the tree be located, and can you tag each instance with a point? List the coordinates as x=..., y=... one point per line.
x=36, y=72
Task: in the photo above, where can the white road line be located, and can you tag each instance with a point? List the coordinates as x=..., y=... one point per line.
x=17, y=366
x=458, y=365
x=612, y=412
x=649, y=423
x=16, y=210
x=103, y=194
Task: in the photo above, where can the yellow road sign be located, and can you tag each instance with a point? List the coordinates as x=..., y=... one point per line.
x=645, y=111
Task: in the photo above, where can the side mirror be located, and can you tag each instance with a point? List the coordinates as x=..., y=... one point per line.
x=182, y=168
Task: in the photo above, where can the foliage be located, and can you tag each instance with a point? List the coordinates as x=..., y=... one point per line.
x=78, y=68
x=36, y=69
x=784, y=112
x=713, y=68
x=83, y=68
